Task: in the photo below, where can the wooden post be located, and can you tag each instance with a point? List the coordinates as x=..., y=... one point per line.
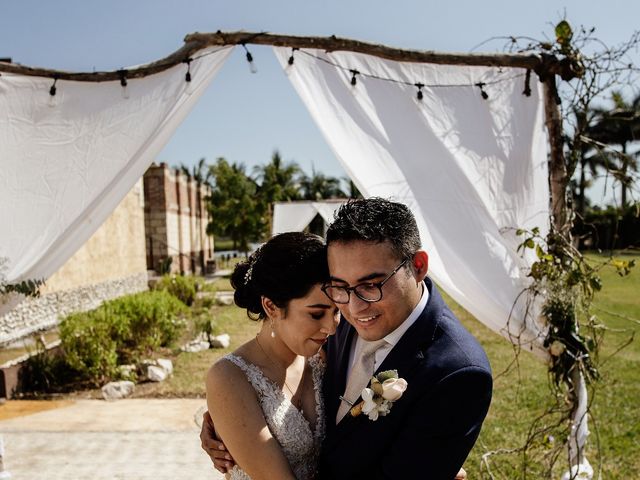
x=558, y=178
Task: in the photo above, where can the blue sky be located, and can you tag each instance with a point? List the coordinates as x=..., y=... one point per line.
x=245, y=117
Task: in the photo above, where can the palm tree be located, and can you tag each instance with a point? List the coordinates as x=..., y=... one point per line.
x=319, y=186
x=351, y=188
x=620, y=126
x=278, y=182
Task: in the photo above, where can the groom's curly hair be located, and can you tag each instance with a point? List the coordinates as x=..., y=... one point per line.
x=376, y=220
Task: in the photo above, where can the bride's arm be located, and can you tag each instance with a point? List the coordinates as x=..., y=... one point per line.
x=238, y=417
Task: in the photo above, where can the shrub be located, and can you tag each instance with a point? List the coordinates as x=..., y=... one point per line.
x=89, y=347
x=120, y=331
x=182, y=287
x=44, y=371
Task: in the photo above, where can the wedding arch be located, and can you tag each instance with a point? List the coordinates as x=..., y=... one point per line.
x=460, y=138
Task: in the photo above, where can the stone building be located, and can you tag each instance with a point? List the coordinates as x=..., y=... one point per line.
x=110, y=264
x=176, y=220
x=163, y=217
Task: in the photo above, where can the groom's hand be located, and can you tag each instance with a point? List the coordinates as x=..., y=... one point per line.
x=222, y=460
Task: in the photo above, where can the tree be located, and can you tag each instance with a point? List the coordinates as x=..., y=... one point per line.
x=319, y=186
x=351, y=189
x=234, y=208
x=278, y=182
x=619, y=126
x=200, y=172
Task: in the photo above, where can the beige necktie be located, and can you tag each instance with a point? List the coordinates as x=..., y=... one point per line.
x=360, y=375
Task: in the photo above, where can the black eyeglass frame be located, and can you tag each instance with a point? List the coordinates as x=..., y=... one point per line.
x=353, y=289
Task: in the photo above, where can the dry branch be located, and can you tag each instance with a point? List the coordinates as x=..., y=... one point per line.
x=543, y=65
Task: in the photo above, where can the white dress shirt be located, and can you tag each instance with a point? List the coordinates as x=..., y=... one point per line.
x=394, y=337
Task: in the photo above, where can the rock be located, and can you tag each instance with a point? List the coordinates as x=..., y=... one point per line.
x=195, y=346
x=128, y=371
x=165, y=364
x=224, y=298
x=221, y=341
x=156, y=373
x=117, y=390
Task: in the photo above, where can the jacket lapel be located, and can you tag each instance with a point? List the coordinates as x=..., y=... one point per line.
x=408, y=353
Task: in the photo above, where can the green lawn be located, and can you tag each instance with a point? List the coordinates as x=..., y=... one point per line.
x=519, y=395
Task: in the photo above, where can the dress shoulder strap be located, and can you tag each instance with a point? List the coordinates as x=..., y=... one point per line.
x=256, y=378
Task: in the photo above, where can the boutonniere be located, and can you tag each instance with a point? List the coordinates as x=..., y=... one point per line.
x=377, y=399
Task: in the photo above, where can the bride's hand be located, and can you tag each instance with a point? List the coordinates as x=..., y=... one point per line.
x=222, y=460
x=461, y=475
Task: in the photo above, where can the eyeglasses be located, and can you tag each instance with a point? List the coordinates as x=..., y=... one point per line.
x=368, y=292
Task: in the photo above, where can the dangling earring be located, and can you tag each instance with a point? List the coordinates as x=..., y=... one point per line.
x=273, y=332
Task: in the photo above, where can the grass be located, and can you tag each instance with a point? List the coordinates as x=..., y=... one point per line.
x=521, y=395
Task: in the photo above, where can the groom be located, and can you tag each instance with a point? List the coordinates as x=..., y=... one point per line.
x=396, y=316
x=378, y=280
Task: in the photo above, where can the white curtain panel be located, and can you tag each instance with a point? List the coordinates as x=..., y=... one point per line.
x=472, y=170
x=67, y=161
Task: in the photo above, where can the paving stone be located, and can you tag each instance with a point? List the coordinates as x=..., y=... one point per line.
x=132, y=439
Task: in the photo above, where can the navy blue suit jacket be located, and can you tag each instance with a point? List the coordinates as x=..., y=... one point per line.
x=433, y=426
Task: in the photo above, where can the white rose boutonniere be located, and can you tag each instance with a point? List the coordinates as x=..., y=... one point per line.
x=377, y=399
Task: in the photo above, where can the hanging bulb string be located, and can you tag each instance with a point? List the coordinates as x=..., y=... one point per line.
x=353, y=77
x=187, y=77
x=249, y=56
x=412, y=84
x=291, y=59
x=481, y=86
x=252, y=66
x=123, y=77
x=53, y=89
x=420, y=86
x=527, y=84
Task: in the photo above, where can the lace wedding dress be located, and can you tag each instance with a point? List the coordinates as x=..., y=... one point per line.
x=299, y=441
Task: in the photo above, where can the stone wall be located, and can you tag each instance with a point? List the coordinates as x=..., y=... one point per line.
x=110, y=264
x=176, y=221
x=35, y=314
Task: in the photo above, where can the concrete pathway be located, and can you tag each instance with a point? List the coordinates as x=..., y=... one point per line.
x=137, y=439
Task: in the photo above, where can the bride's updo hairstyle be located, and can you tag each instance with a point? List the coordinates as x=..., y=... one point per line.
x=284, y=268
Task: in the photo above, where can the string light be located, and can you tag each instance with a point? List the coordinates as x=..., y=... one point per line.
x=291, y=59
x=252, y=66
x=419, y=94
x=53, y=89
x=187, y=77
x=123, y=83
x=353, y=77
x=527, y=84
x=52, y=93
x=481, y=86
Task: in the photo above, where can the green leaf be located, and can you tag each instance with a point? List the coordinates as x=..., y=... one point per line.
x=596, y=283
x=529, y=243
x=387, y=374
x=519, y=231
x=564, y=34
x=539, y=252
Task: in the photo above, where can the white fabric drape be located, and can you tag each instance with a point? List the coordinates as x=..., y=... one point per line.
x=67, y=161
x=295, y=216
x=472, y=170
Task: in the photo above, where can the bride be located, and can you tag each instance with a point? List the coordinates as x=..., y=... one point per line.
x=265, y=398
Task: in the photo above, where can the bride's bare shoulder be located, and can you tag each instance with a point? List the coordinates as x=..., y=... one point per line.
x=225, y=372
